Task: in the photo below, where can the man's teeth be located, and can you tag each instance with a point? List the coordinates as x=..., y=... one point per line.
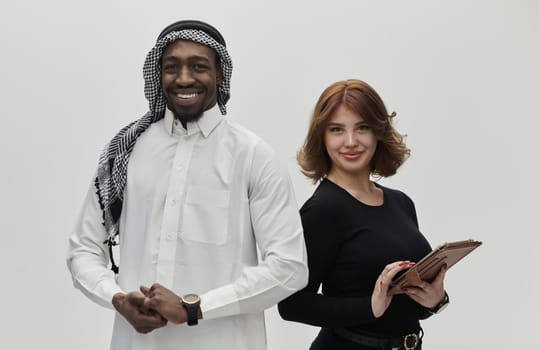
x=187, y=95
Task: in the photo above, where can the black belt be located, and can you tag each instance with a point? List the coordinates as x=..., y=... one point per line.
x=408, y=342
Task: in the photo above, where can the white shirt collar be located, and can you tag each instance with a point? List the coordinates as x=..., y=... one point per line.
x=207, y=122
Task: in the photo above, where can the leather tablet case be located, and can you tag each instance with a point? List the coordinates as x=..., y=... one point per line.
x=428, y=267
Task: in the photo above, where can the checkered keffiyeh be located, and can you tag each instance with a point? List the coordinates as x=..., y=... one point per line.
x=112, y=167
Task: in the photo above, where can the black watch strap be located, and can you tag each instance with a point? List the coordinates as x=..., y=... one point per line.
x=192, y=314
x=438, y=308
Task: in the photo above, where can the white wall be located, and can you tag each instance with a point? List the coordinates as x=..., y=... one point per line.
x=462, y=76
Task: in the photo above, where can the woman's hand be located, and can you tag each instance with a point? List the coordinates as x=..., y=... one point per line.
x=428, y=294
x=381, y=297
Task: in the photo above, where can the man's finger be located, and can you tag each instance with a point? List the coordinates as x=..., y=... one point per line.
x=135, y=299
x=145, y=290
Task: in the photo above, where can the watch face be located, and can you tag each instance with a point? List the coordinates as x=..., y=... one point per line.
x=191, y=298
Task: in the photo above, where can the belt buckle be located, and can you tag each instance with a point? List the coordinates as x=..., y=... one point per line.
x=411, y=338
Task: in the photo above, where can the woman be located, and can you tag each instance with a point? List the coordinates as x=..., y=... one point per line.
x=359, y=234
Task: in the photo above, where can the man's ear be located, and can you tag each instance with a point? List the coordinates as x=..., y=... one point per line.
x=219, y=75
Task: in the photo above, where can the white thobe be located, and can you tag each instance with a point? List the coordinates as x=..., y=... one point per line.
x=198, y=202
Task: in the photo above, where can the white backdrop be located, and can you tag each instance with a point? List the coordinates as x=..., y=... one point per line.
x=462, y=76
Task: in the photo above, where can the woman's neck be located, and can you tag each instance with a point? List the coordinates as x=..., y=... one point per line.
x=357, y=182
x=359, y=186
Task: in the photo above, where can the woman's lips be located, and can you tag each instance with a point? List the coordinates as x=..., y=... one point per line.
x=351, y=155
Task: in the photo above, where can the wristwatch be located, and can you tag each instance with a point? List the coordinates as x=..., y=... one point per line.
x=191, y=303
x=441, y=305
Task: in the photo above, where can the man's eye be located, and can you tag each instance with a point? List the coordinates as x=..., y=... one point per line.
x=169, y=68
x=199, y=67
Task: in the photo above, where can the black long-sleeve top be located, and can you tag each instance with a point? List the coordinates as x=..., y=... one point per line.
x=348, y=245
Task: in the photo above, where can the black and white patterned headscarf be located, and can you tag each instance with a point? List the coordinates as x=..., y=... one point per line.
x=112, y=168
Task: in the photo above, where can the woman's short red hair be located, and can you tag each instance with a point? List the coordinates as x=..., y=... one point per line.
x=359, y=97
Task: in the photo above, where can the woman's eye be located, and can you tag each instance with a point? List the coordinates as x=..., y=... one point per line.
x=335, y=129
x=364, y=127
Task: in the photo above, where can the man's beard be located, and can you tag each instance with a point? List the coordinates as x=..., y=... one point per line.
x=185, y=118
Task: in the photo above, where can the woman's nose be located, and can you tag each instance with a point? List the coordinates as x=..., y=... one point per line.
x=350, y=139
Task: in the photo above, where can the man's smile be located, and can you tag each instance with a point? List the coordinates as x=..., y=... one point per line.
x=187, y=96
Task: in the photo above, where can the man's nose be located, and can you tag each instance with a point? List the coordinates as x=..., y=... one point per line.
x=184, y=77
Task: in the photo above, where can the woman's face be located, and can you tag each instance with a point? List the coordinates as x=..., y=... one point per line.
x=350, y=143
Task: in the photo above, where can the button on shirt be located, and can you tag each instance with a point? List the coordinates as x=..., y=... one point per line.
x=198, y=203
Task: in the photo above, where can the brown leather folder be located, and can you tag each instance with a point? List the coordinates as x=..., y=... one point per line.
x=428, y=267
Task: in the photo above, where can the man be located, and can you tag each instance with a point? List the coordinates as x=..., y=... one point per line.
x=191, y=196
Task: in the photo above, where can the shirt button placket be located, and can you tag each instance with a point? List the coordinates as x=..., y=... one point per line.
x=170, y=223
